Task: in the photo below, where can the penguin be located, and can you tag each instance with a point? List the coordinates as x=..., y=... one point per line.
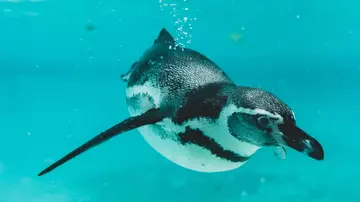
x=191, y=112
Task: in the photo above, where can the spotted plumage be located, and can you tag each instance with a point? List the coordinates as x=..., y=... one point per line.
x=193, y=114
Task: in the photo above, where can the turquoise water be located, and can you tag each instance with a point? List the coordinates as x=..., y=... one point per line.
x=60, y=67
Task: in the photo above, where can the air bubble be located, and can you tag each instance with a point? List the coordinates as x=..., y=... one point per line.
x=179, y=11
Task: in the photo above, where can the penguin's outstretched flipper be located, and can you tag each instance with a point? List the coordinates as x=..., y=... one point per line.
x=152, y=116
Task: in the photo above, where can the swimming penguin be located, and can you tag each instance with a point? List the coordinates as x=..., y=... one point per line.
x=194, y=115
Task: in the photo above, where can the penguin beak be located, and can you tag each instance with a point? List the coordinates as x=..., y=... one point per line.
x=299, y=140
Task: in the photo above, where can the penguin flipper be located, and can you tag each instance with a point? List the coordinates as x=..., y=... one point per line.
x=280, y=152
x=150, y=117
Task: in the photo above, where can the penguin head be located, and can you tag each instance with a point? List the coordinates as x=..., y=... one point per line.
x=264, y=120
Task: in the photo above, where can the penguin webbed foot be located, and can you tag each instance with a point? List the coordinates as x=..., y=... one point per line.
x=125, y=77
x=280, y=152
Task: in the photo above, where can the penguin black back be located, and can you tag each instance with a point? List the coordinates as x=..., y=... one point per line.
x=173, y=69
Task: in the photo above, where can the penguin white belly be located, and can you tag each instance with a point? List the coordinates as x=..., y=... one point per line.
x=188, y=156
x=163, y=136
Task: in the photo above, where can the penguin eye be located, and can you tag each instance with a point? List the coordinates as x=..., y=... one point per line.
x=263, y=121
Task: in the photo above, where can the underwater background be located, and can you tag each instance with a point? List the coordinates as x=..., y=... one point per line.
x=60, y=67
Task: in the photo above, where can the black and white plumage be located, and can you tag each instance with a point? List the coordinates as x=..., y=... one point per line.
x=193, y=114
